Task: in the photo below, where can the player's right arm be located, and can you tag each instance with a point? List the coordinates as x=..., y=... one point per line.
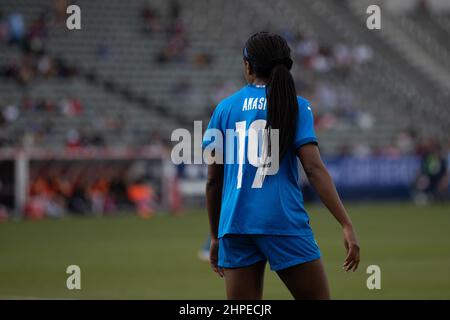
x=214, y=183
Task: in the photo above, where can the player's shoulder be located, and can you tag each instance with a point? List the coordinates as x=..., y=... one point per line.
x=303, y=103
x=304, y=107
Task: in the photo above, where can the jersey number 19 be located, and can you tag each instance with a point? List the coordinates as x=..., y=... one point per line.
x=267, y=165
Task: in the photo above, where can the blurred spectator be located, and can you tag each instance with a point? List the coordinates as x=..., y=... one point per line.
x=326, y=96
x=306, y=47
x=342, y=55
x=73, y=138
x=142, y=195
x=202, y=60
x=16, y=28
x=37, y=34
x=177, y=42
x=77, y=201
x=71, y=107
x=362, y=53
x=10, y=113
x=406, y=142
x=432, y=181
x=151, y=20
x=60, y=7
x=364, y=120
x=44, y=200
x=118, y=191
x=98, y=192
x=45, y=66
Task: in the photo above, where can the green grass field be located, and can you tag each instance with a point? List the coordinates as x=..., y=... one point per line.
x=126, y=257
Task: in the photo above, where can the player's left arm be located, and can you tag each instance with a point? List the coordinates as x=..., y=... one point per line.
x=322, y=182
x=214, y=184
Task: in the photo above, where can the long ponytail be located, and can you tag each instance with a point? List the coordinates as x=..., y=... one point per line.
x=282, y=106
x=269, y=57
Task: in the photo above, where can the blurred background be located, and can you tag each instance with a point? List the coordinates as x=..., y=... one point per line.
x=86, y=118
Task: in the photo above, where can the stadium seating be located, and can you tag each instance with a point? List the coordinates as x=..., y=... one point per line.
x=120, y=74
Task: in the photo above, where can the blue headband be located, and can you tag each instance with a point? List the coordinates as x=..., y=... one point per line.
x=246, y=55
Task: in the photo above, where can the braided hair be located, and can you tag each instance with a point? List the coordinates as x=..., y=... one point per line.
x=269, y=57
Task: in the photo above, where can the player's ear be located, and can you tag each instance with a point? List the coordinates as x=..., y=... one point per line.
x=247, y=68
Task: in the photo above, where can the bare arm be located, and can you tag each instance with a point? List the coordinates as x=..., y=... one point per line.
x=214, y=183
x=322, y=182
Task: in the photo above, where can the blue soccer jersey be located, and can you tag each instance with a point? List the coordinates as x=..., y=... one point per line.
x=275, y=206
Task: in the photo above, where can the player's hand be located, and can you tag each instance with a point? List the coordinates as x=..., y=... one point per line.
x=214, y=257
x=351, y=245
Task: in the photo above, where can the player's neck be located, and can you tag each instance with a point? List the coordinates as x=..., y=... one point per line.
x=259, y=82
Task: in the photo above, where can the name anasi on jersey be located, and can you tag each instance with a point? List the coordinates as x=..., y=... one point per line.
x=254, y=103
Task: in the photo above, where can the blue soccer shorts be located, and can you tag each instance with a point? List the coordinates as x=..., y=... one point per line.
x=238, y=251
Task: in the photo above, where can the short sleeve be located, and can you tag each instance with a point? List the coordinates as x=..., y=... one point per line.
x=305, y=125
x=214, y=127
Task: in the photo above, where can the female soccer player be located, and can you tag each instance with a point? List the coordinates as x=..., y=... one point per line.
x=254, y=220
